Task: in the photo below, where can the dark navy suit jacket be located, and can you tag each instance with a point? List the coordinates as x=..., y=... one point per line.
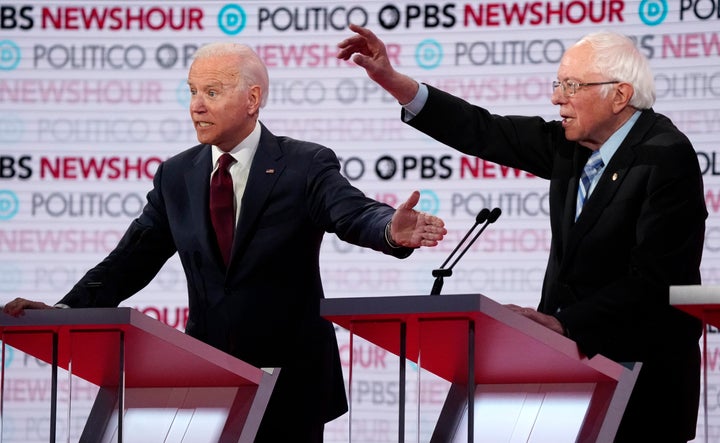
x=264, y=308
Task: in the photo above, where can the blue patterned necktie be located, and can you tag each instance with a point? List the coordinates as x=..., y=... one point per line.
x=592, y=167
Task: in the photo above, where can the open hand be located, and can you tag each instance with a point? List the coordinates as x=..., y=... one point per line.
x=412, y=229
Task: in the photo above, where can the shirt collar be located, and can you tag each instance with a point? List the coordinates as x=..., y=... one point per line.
x=608, y=149
x=244, y=152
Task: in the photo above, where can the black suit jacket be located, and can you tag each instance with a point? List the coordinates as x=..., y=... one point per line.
x=608, y=274
x=264, y=308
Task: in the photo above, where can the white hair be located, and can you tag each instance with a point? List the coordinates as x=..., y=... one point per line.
x=616, y=57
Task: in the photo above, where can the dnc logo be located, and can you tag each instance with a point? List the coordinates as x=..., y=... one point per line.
x=653, y=12
x=232, y=19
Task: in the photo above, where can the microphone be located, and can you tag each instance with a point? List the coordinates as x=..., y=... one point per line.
x=484, y=216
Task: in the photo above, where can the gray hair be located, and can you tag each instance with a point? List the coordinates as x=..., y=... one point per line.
x=251, y=68
x=617, y=57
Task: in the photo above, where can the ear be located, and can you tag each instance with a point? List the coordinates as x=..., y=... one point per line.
x=621, y=98
x=254, y=99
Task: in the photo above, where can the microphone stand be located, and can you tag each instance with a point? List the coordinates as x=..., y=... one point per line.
x=484, y=216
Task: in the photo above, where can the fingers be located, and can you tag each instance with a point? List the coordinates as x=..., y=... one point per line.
x=352, y=45
x=359, y=43
x=520, y=310
x=434, y=221
x=364, y=32
x=18, y=306
x=348, y=47
x=433, y=230
x=412, y=228
x=548, y=321
x=15, y=307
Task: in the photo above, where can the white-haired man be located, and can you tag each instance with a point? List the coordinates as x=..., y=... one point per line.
x=622, y=233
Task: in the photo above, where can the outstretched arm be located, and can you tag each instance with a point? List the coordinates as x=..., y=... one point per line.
x=369, y=52
x=413, y=229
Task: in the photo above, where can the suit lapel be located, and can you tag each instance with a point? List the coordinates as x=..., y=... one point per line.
x=265, y=170
x=568, y=216
x=197, y=183
x=609, y=183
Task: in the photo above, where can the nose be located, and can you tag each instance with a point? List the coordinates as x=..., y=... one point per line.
x=196, y=103
x=557, y=97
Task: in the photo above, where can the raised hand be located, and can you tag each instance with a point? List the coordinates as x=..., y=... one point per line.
x=369, y=52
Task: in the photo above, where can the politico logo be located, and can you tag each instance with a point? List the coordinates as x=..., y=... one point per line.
x=311, y=18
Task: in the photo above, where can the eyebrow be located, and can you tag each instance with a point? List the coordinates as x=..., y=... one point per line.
x=216, y=85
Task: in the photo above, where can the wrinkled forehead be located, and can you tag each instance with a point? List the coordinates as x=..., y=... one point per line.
x=214, y=70
x=577, y=63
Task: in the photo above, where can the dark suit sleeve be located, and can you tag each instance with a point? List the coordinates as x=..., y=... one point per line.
x=527, y=143
x=138, y=257
x=343, y=209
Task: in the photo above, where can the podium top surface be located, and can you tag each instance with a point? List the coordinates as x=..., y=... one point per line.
x=701, y=301
x=98, y=341
x=508, y=347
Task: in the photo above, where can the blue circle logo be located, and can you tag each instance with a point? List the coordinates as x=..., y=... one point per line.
x=653, y=12
x=428, y=54
x=232, y=19
x=429, y=202
x=9, y=55
x=9, y=205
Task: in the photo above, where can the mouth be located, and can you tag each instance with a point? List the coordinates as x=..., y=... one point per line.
x=203, y=124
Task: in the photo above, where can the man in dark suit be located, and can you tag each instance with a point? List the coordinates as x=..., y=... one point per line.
x=259, y=301
x=633, y=227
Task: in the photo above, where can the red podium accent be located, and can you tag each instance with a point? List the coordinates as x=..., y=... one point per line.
x=475, y=343
x=140, y=364
x=702, y=302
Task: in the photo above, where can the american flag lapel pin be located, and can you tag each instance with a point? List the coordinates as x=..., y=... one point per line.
x=270, y=171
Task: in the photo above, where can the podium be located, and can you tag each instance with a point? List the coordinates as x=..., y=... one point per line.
x=154, y=383
x=702, y=302
x=509, y=378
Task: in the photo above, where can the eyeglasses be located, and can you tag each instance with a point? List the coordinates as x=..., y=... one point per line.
x=569, y=88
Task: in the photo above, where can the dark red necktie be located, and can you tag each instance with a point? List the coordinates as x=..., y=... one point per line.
x=222, y=210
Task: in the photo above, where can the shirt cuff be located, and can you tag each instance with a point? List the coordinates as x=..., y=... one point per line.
x=415, y=105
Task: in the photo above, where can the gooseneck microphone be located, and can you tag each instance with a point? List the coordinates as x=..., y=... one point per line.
x=484, y=216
